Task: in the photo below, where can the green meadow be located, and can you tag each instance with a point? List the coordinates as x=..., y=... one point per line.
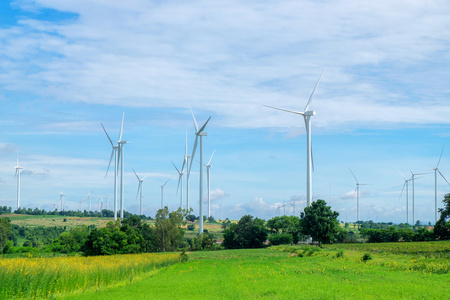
x=298, y=272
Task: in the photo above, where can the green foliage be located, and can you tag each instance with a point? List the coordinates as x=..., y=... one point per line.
x=280, y=238
x=211, y=219
x=191, y=227
x=319, y=222
x=168, y=229
x=340, y=253
x=204, y=241
x=366, y=257
x=286, y=224
x=71, y=241
x=247, y=233
x=442, y=229
x=5, y=232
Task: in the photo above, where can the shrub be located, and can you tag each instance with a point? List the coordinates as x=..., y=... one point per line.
x=366, y=257
x=340, y=254
x=280, y=239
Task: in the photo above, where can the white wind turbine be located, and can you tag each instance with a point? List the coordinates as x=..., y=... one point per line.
x=89, y=197
x=413, y=177
x=405, y=185
x=436, y=170
x=117, y=152
x=201, y=134
x=140, y=191
x=180, y=182
x=162, y=192
x=307, y=114
x=61, y=198
x=208, y=167
x=186, y=160
x=18, y=170
x=357, y=195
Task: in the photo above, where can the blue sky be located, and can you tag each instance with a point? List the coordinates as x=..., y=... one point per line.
x=382, y=105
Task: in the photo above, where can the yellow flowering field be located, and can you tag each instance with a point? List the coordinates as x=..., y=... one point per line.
x=44, y=277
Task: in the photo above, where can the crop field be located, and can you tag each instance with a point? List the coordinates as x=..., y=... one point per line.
x=287, y=272
x=50, y=220
x=30, y=278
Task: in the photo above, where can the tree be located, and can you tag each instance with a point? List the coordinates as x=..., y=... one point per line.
x=286, y=225
x=5, y=232
x=442, y=227
x=247, y=233
x=319, y=222
x=168, y=229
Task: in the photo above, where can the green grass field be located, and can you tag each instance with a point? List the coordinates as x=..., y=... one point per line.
x=279, y=273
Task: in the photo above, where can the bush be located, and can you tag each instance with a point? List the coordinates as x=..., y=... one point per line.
x=191, y=227
x=340, y=254
x=280, y=239
x=366, y=257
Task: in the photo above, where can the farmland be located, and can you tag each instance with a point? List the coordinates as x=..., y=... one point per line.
x=282, y=272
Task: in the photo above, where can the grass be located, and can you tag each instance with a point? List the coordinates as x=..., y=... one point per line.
x=280, y=273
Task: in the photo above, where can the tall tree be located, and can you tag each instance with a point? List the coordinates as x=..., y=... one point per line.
x=247, y=233
x=442, y=226
x=168, y=229
x=319, y=222
x=5, y=232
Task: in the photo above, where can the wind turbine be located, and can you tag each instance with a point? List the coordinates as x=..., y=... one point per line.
x=293, y=204
x=18, y=169
x=61, y=198
x=307, y=114
x=140, y=189
x=180, y=181
x=405, y=185
x=436, y=170
x=186, y=160
x=162, y=192
x=357, y=195
x=117, y=151
x=208, y=166
x=413, y=176
x=199, y=133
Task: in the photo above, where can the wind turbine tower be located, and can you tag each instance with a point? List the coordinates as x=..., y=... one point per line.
x=199, y=133
x=18, y=170
x=208, y=167
x=307, y=114
x=357, y=195
x=180, y=182
x=413, y=177
x=162, y=192
x=406, y=185
x=61, y=199
x=140, y=191
x=436, y=170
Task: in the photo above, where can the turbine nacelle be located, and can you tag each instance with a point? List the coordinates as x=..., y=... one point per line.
x=309, y=113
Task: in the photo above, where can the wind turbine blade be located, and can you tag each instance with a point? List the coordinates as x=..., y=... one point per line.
x=353, y=175
x=107, y=135
x=176, y=167
x=211, y=157
x=110, y=159
x=193, y=154
x=440, y=157
x=136, y=174
x=167, y=181
x=403, y=188
x=354, y=193
x=180, y=176
x=121, y=127
x=286, y=110
x=204, y=125
x=193, y=118
x=138, y=190
x=312, y=94
x=443, y=176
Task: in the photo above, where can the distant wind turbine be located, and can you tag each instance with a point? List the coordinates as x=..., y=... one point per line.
x=61, y=198
x=180, y=182
x=162, y=192
x=186, y=160
x=413, y=177
x=18, y=170
x=208, y=167
x=199, y=133
x=307, y=118
x=357, y=195
x=406, y=185
x=140, y=190
x=436, y=170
